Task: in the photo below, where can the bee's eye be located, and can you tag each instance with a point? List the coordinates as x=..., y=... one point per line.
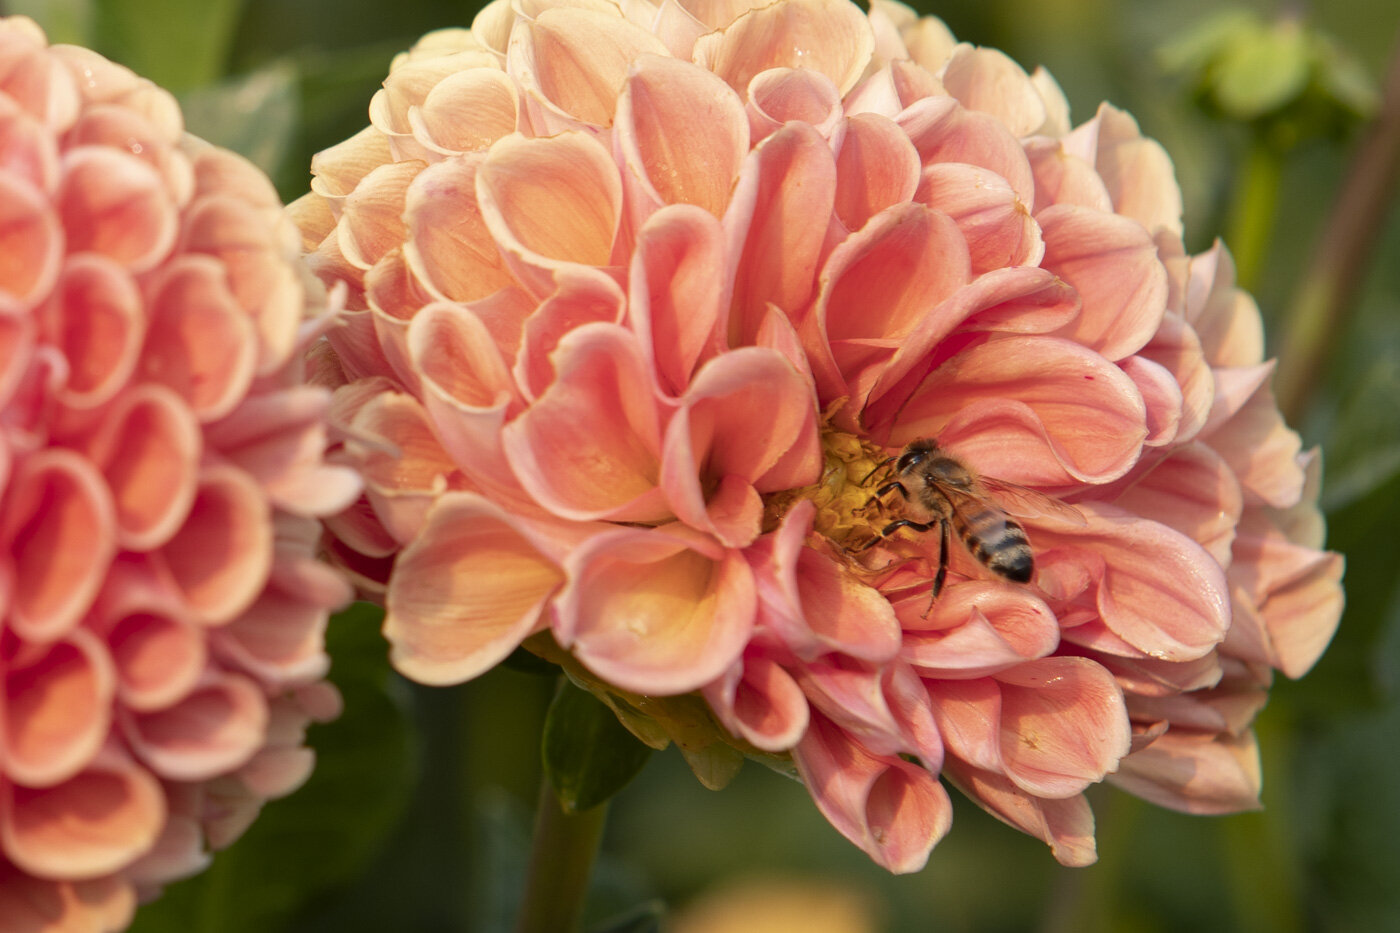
x=908, y=460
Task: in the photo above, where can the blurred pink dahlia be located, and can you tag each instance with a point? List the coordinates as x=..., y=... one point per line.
x=162, y=472
x=645, y=298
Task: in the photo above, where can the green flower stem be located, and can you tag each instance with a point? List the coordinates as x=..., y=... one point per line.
x=1325, y=299
x=1252, y=213
x=561, y=860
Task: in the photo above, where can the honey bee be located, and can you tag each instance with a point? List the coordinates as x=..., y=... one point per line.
x=939, y=491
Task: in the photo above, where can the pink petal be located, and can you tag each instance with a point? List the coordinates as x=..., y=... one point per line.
x=1152, y=586
x=27, y=148
x=550, y=202
x=1194, y=492
x=86, y=827
x=449, y=248
x=998, y=227
x=219, y=559
x=811, y=604
x=893, y=810
x=1032, y=410
x=199, y=342
x=1062, y=177
x=977, y=628
x=1137, y=171
x=781, y=207
x=1112, y=262
x=677, y=300
x=408, y=470
x=113, y=203
x=467, y=110
x=748, y=418
x=35, y=905
x=986, y=80
x=656, y=611
x=1066, y=824
x=31, y=240
x=148, y=448
x=1195, y=772
x=852, y=695
x=876, y=168
x=1176, y=348
x=943, y=131
x=582, y=295
x=371, y=222
x=1224, y=317
x=681, y=134
x=783, y=95
x=103, y=327
x=466, y=592
x=590, y=446
x=158, y=658
x=211, y=731
x=573, y=62
x=60, y=527
x=57, y=710
x=1262, y=451
x=1162, y=396
x=336, y=171
x=760, y=703
x=826, y=36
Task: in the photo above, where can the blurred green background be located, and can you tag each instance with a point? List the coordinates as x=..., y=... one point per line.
x=418, y=816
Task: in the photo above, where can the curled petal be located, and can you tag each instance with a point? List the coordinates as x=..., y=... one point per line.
x=86, y=827
x=894, y=810
x=115, y=204
x=590, y=446
x=1195, y=772
x=103, y=327
x=1065, y=824
x=977, y=628
x=467, y=591
x=404, y=474
x=1193, y=491
x=57, y=710
x=944, y=131
x=467, y=111
x=213, y=730
x=783, y=95
x=158, y=658
x=760, y=702
x=876, y=168
x=60, y=527
x=998, y=227
x=827, y=36
x=581, y=296
x=656, y=611
x=682, y=135
x=449, y=248
x=1137, y=171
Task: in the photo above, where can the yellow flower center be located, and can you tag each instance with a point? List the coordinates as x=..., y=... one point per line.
x=844, y=496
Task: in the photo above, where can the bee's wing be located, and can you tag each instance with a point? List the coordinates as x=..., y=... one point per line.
x=1028, y=503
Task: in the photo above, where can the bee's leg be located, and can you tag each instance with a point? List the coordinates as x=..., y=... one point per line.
x=944, y=542
x=891, y=487
x=891, y=528
x=882, y=465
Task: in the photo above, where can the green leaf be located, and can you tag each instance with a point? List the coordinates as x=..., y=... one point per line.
x=326, y=832
x=588, y=756
x=644, y=918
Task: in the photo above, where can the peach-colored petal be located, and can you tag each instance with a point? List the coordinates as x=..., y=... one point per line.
x=1225, y=318
x=1137, y=171
x=448, y=247
x=573, y=62
x=1113, y=264
x=219, y=559
x=1061, y=177
x=1033, y=410
x=86, y=827
x=748, y=418
x=1136, y=566
x=1195, y=772
x=158, y=658
x=785, y=95
x=894, y=810
x=31, y=238
x=57, y=711
x=406, y=469
x=944, y=131
x=279, y=639
x=987, y=80
x=148, y=449
x=115, y=204
x=1262, y=451
x=1162, y=397
x=103, y=327
x=682, y=136
x=466, y=592
x=1193, y=491
x=998, y=227
x=199, y=342
x=60, y=526
x=825, y=35
x=590, y=446
x=550, y=202
x=977, y=628
x=372, y=217
x=582, y=295
x=655, y=611
x=34, y=905
x=760, y=702
x=1065, y=824
x=876, y=168
x=467, y=111
x=215, y=728
x=1177, y=348
x=677, y=298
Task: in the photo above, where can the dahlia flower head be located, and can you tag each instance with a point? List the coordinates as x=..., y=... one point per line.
x=644, y=299
x=162, y=472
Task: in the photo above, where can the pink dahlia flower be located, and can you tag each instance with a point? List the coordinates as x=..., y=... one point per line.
x=162, y=472
x=647, y=301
